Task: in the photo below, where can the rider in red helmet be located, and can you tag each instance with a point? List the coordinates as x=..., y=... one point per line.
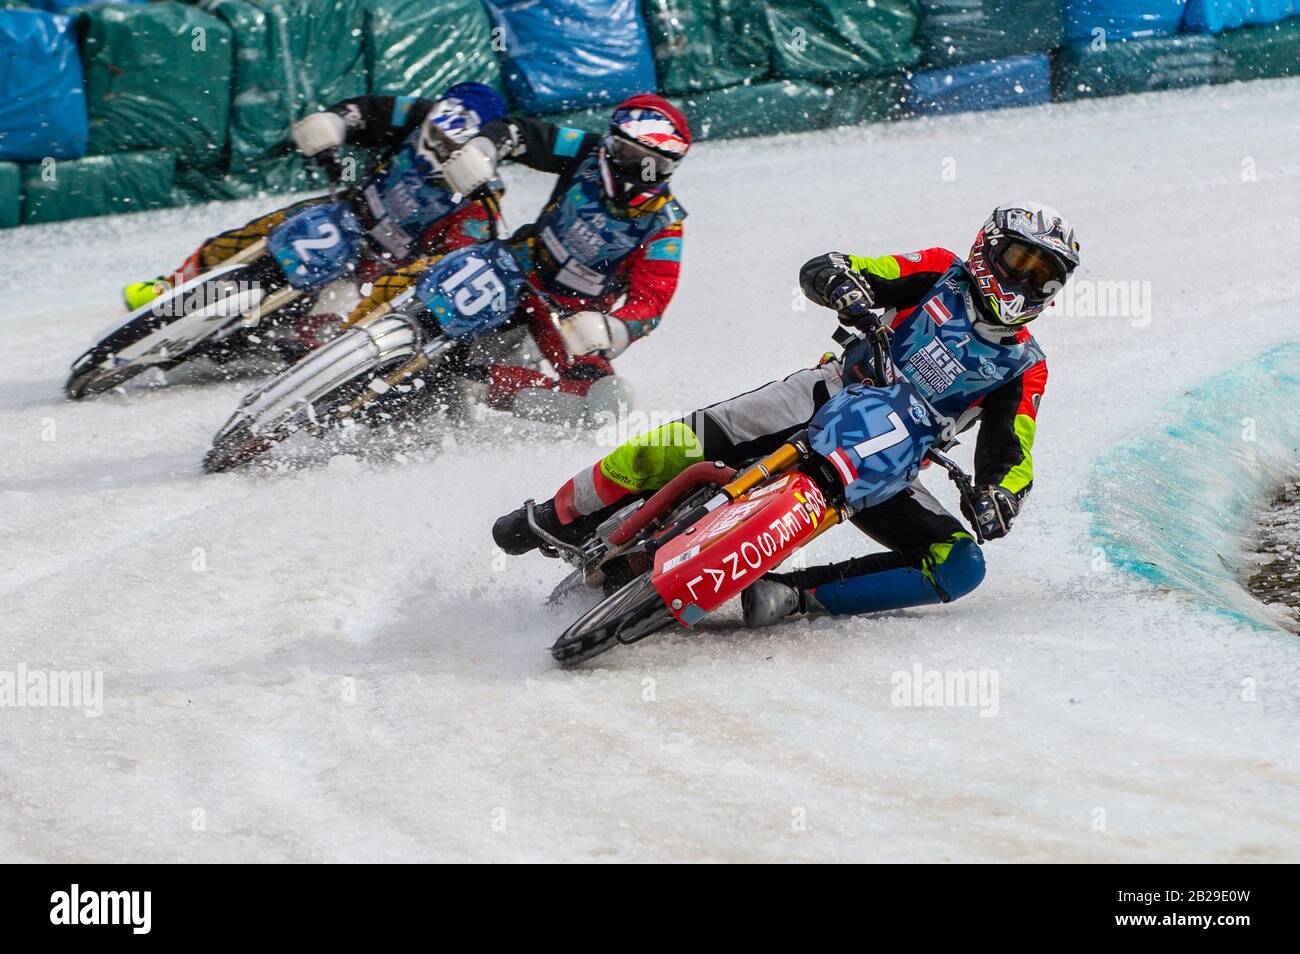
x=606, y=249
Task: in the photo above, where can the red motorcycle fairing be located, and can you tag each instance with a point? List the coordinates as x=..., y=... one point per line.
x=700, y=569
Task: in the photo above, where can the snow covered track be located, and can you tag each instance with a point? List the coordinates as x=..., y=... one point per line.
x=334, y=666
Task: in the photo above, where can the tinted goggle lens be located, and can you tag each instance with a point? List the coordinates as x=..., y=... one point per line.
x=633, y=157
x=1032, y=265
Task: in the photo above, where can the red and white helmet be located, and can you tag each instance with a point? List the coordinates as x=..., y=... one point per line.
x=1021, y=259
x=646, y=139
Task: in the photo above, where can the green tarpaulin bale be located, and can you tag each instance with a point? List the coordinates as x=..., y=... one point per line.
x=11, y=194
x=97, y=185
x=292, y=57
x=956, y=32
x=875, y=99
x=269, y=175
x=706, y=44
x=768, y=108
x=157, y=77
x=1138, y=66
x=1260, y=51
x=758, y=109
x=275, y=173
x=420, y=47
x=836, y=39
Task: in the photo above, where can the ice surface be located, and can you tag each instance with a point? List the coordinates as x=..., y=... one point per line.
x=332, y=665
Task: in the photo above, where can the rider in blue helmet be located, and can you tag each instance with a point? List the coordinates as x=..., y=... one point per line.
x=401, y=201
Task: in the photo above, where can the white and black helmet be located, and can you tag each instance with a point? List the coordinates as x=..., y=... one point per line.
x=1021, y=258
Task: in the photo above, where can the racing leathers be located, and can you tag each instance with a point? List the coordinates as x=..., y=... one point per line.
x=967, y=367
x=583, y=254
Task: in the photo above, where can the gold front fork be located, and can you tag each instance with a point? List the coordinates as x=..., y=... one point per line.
x=777, y=462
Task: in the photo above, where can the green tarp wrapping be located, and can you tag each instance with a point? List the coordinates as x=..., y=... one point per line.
x=276, y=173
x=1139, y=66
x=837, y=39
x=271, y=174
x=777, y=106
x=875, y=99
x=759, y=109
x=292, y=57
x=157, y=77
x=956, y=32
x=706, y=44
x=1260, y=51
x=420, y=47
x=97, y=185
x=11, y=194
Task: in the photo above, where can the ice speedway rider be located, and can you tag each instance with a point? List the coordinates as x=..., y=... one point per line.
x=402, y=202
x=937, y=307
x=610, y=232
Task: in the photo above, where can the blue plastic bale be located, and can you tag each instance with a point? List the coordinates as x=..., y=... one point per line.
x=567, y=54
x=993, y=84
x=1122, y=19
x=42, y=89
x=1215, y=16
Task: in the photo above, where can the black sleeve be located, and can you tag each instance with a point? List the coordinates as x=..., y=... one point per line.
x=997, y=448
x=533, y=142
x=370, y=120
x=820, y=273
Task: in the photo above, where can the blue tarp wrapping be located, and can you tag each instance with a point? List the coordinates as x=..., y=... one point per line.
x=994, y=84
x=1215, y=16
x=567, y=54
x=42, y=88
x=1122, y=19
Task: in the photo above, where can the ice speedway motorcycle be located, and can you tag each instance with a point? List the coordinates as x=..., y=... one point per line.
x=388, y=363
x=712, y=530
x=238, y=306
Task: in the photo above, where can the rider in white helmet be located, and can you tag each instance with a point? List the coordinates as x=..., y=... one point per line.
x=957, y=333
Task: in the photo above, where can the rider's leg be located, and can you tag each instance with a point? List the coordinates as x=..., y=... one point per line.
x=212, y=253
x=731, y=431
x=584, y=391
x=930, y=559
x=387, y=287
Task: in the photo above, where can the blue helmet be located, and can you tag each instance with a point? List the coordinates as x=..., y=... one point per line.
x=455, y=118
x=478, y=98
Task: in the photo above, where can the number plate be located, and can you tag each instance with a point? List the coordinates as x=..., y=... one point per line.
x=317, y=245
x=473, y=290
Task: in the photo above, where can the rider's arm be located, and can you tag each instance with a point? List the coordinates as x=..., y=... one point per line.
x=381, y=122
x=538, y=144
x=897, y=281
x=1008, y=419
x=651, y=281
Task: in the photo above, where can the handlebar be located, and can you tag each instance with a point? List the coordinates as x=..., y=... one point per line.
x=965, y=486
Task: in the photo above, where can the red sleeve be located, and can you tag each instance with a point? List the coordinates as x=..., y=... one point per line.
x=652, y=275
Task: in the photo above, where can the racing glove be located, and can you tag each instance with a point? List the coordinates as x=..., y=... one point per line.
x=994, y=509
x=471, y=167
x=319, y=132
x=849, y=294
x=592, y=332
